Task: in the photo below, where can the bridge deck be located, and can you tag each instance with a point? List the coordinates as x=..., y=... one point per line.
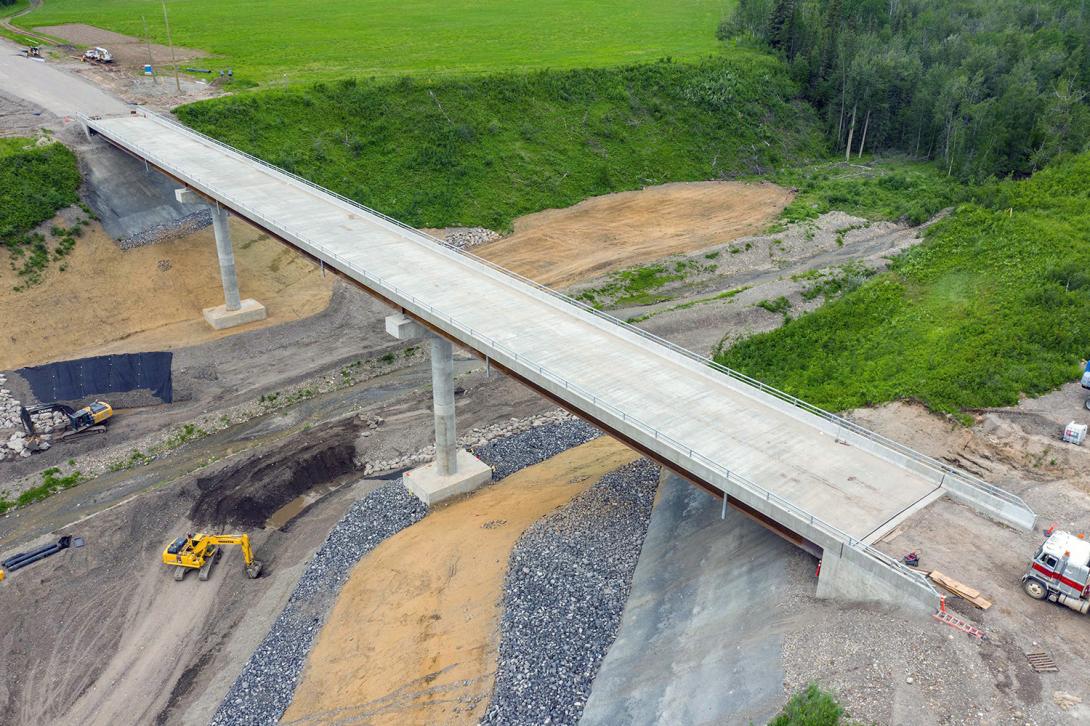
x=608, y=372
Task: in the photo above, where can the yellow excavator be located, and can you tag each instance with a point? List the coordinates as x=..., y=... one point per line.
x=200, y=552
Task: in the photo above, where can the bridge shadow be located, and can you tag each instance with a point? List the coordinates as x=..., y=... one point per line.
x=701, y=640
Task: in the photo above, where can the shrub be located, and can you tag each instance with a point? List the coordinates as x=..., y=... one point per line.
x=810, y=707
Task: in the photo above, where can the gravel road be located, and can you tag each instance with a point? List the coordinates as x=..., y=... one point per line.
x=567, y=583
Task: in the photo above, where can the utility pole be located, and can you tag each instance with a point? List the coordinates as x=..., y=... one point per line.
x=147, y=41
x=170, y=41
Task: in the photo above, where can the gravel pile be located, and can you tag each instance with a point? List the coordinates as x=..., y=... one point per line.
x=193, y=222
x=466, y=237
x=267, y=682
x=477, y=437
x=567, y=583
x=510, y=454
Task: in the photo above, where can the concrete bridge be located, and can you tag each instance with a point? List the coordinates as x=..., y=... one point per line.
x=818, y=480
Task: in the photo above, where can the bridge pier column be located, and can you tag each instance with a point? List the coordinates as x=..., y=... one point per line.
x=234, y=311
x=454, y=471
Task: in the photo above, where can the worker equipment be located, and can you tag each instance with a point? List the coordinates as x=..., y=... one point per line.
x=200, y=552
x=90, y=418
x=1060, y=571
x=97, y=55
x=1075, y=433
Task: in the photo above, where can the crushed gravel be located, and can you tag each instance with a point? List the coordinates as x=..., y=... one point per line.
x=567, y=583
x=513, y=453
x=264, y=688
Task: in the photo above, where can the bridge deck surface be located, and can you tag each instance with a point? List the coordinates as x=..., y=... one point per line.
x=845, y=486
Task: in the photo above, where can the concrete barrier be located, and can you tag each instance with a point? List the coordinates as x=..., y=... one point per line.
x=853, y=575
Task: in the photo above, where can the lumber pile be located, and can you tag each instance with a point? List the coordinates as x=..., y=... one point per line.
x=960, y=589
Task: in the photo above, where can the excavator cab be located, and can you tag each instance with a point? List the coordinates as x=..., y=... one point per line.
x=92, y=415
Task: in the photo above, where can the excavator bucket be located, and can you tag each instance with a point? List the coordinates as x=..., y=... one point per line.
x=253, y=570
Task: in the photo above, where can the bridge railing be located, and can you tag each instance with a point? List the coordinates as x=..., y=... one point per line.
x=940, y=469
x=502, y=352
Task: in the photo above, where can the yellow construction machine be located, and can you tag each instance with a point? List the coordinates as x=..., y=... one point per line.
x=200, y=552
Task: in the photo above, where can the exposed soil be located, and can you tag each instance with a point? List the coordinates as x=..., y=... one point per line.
x=763, y=267
x=150, y=660
x=126, y=50
x=19, y=118
x=957, y=679
x=559, y=247
x=149, y=298
x=79, y=653
x=248, y=492
x=413, y=636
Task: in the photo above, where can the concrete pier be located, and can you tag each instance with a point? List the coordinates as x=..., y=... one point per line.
x=234, y=310
x=442, y=396
x=453, y=471
x=227, y=259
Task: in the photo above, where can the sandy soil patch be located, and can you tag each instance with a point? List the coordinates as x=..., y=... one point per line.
x=126, y=49
x=558, y=247
x=414, y=634
x=150, y=297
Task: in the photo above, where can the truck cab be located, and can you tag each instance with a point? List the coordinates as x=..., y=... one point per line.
x=1060, y=571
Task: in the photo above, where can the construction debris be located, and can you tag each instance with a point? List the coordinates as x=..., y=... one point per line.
x=960, y=589
x=1042, y=662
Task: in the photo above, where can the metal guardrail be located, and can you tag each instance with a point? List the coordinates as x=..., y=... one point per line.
x=680, y=449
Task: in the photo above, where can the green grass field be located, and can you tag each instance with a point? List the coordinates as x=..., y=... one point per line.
x=484, y=150
x=995, y=303
x=289, y=40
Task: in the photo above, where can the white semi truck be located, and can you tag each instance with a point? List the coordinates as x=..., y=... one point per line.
x=1060, y=571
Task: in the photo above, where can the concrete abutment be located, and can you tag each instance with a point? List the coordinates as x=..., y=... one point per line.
x=852, y=575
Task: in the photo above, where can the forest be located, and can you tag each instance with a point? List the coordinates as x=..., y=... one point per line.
x=988, y=88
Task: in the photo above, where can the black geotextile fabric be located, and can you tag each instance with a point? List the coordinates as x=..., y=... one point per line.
x=73, y=380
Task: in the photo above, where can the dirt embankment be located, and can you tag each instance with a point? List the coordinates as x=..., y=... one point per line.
x=247, y=493
x=103, y=635
x=413, y=637
x=559, y=247
x=149, y=298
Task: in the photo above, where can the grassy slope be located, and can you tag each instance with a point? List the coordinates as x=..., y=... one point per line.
x=485, y=150
x=995, y=303
x=35, y=181
x=889, y=188
x=264, y=41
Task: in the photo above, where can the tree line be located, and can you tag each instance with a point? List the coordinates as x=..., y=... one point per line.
x=989, y=87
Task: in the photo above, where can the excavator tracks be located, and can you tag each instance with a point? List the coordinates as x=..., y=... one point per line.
x=206, y=568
